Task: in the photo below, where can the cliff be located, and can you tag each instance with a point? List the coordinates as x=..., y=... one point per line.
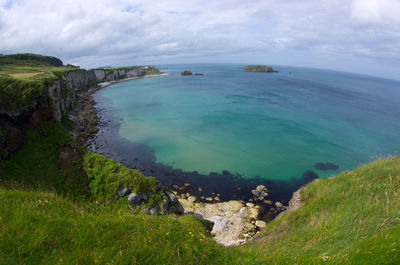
x=25, y=102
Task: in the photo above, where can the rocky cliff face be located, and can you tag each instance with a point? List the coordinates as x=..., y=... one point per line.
x=53, y=103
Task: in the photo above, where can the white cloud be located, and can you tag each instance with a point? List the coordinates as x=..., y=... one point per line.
x=104, y=32
x=376, y=12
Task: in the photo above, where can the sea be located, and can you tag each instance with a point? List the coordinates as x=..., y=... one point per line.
x=227, y=131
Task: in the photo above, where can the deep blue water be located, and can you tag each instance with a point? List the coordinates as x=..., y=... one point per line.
x=273, y=126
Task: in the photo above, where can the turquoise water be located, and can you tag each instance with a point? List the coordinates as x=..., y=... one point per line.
x=275, y=126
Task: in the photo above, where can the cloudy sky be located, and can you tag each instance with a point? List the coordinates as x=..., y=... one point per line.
x=360, y=36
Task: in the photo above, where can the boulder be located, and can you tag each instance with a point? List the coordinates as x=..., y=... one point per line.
x=191, y=199
x=260, y=224
x=259, y=193
x=124, y=191
x=153, y=209
x=134, y=199
x=261, y=188
x=171, y=196
x=267, y=202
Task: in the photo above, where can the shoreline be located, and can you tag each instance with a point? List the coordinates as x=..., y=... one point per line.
x=86, y=116
x=236, y=219
x=91, y=124
x=109, y=83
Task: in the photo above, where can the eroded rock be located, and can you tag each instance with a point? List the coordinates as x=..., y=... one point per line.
x=234, y=221
x=259, y=193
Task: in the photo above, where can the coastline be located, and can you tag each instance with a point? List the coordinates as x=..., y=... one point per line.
x=86, y=116
x=236, y=219
x=109, y=83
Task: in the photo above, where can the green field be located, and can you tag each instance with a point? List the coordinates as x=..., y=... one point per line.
x=24, y=76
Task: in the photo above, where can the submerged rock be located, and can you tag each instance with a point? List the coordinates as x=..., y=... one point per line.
x=309, y=175
x=326, y=166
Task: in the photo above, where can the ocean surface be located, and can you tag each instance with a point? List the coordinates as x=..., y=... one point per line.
x=249, y=126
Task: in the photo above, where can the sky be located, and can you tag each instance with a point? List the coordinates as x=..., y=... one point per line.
x=361, y=36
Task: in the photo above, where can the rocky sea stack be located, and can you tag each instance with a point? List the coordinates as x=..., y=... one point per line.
x=259, y=68
x=186, y=72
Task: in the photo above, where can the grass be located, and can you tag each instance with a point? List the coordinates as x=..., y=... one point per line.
x=35, y=165
x=25, y=75
x=151, y=70
x=106, y=176
x=47, y=216
x=353, y=218
x=22, y=80
x=46, y=228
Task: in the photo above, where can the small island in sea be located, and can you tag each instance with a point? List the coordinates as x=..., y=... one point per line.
x=186, y=72
x=259, y=68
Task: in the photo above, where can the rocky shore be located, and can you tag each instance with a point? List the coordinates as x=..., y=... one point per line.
x=85, y=115
x=235, y=221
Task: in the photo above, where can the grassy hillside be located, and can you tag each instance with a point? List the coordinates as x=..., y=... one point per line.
x=51, y=160
x=23, y=76
x=48, y=216
x=45, y=228
x=353, y=218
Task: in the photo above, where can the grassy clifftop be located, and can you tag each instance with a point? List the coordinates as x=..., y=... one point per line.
x=353, y=218
x=23, y=76
x=47, y=216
